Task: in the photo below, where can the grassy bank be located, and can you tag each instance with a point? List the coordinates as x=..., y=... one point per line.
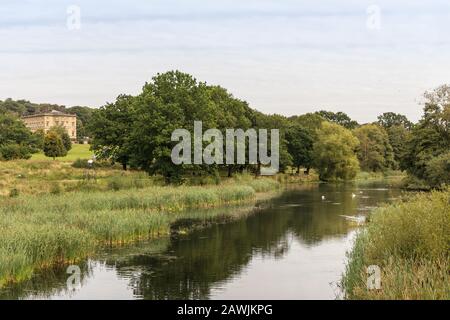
x=410, y=242
x=39, y=231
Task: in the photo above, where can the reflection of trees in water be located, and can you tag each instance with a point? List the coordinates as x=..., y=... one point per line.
x=187, y=267
x=218, y=253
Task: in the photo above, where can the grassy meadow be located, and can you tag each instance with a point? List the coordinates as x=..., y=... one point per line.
x=78, y=151
x=51, y=214
x=410, y=242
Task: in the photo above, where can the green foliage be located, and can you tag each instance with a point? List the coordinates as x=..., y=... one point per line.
x=53, y=145
x=16, y=141
x=374, y=150
x=38, y=137
x=334, y=152
x=14, y=151
x=111, y=127
x=398, y=138
x=340, y=118
x=65, y=138
x=430, y=138
x=437, y=172
x=390, y=119
x=410, y=242
x=300, y=146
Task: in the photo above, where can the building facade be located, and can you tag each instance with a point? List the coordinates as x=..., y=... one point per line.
x=45, y=121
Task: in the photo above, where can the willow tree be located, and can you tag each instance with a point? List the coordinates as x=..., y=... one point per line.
x=334, y=152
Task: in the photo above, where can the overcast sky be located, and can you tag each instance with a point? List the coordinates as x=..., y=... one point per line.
x=282, y=56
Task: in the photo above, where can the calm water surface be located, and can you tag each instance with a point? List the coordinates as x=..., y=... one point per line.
x=293, y=247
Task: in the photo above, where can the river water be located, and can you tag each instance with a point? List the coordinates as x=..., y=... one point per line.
x=291, y=247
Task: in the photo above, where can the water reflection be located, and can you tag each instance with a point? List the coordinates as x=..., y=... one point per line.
x=292, y=248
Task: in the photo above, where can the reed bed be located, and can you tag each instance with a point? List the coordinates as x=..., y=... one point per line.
x=410, y=242
x=39, y=231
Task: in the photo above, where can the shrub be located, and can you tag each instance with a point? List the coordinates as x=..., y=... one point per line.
x=410, y=242
x=438, y=170
x=14, y=151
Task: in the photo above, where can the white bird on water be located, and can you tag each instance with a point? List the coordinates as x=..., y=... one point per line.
x=357, y=219
x=353, y=195
x=323, y=197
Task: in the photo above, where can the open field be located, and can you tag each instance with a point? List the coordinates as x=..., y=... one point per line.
x=78, y=151
x=410, y=242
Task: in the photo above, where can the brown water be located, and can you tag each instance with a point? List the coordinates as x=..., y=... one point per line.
x=292, y=248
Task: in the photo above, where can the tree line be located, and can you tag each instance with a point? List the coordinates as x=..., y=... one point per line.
x=135, y=131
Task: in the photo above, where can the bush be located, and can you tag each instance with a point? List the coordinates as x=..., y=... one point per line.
x=438, y=171
x=14, y=193
x=14, y=151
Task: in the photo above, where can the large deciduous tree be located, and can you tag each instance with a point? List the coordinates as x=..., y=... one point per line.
x=53, y=145
x=334, y=152
x=430, y=138
x=374, y=150
x=16, y=140
x=300, y=146
x=340, y=118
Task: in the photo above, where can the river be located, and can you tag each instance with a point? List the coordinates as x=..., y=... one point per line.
x=291, y=247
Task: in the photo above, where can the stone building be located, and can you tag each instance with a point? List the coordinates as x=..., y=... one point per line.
x=47, y=120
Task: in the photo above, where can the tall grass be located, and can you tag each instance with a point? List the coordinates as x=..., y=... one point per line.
x=410, y=242
x=43, y=230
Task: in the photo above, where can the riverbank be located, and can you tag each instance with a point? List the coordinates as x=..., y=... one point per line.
x=41, y=231
x=410, y=242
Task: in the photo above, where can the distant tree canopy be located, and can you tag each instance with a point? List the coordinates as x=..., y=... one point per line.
x=53, y=145
x=16, y=141
x=429, y=142
x=334, y=152
x=300, y=146
x=65, y=138
x=136, y=131
x=340, y=118
x=390, y=119
x=374, y=150
x=21, y=108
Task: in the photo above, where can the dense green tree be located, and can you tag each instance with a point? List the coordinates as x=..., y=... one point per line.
x=334, y=152
x=173, y=100
x=14, y=151
x=310, y=121
x=374, y=150
x=391, y=119
x=38, y=139
x=430, y=138
x=340, y=118
x=300, y=146
x=398, y=138
x=111, y=127
x=16, y=140
x=437, y=172
x=62, y=132
x=53, y=145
